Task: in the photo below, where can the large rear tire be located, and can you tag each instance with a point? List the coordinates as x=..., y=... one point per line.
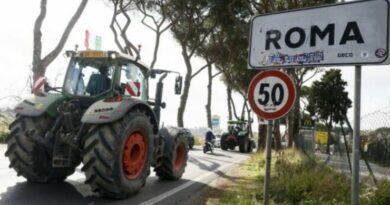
x=250, y=146
x=243, y=144
x=191, y=145
x=117, y=156
x=29, y=158
x=224, y=145
x=171, y=165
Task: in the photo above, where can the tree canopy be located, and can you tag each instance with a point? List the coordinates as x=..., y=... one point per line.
x=329, y=100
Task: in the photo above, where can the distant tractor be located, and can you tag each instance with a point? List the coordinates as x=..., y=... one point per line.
x=102, y=117
x=238, y=134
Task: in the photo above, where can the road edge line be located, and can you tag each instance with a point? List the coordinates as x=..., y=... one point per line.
x=165, y=195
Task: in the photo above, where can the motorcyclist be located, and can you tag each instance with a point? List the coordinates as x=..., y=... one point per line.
x=209, y=141
x=210, y=136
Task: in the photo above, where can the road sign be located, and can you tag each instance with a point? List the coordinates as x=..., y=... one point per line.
x=271, y=94
x=308, y=123
x=353, y=33
x=215, y=119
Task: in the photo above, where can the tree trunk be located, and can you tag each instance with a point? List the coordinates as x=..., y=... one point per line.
x=209, y=94
x=229, y=98
x=293, y=120
x=187, y=84
x=156, y=46
x=37, y=68
x=262, y=130
x=329, y=139
x=290, y=129
x=277, y=136
x=297, y=117
x=39, y=65
x=234, y=109
x=243, y=108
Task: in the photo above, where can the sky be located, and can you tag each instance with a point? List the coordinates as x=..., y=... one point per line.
x=16, y=41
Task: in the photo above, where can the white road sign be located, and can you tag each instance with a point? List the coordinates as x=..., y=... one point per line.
x=340, y=34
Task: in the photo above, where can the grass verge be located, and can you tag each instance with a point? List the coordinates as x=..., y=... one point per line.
x=295, y=180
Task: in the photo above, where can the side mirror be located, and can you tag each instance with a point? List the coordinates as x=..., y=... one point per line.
x=178, y=85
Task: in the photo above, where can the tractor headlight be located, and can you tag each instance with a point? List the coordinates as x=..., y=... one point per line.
x=113, y=55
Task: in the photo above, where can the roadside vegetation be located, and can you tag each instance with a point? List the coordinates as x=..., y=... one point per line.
x=3, y=131
x=199, y=140
x=296, y=179
x=3, y=134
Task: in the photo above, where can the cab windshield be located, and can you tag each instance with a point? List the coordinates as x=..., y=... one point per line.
x=88, y=77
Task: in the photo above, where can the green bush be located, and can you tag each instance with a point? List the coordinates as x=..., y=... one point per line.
x=3, y=131
x=3, y=135
x=380, y=196
x=305, y=182
x=198, y=140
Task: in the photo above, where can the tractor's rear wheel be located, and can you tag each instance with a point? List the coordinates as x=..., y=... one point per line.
x=29, y=158
x=172, y=163
x=243, y=143
x=250, y=146
x=117, y=156
x=224, y=145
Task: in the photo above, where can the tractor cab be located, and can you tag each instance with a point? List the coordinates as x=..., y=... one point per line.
x=99, y=74
x=236, y=126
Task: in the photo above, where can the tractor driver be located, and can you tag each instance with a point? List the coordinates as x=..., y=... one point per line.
x=98, y=83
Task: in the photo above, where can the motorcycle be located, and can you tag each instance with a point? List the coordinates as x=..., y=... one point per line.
x=208, y=146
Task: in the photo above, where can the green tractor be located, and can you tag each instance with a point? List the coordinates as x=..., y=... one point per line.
x=102, y=117
x=239, y=134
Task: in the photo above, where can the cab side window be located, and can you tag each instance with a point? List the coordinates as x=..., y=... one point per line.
x=133, y=81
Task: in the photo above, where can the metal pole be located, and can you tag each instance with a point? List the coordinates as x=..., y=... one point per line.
x=356, y=137
x=268, y=149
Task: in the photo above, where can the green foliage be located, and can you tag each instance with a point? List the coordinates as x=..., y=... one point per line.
x=328, y=98
x=198, y=140
x=381, y=196
x=303, y=181
x=379, y=146
x=3, y=131
x=296, y=179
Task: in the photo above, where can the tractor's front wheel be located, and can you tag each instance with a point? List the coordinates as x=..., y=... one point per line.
x=30, y=158
x=172, y=163
x=117, y=156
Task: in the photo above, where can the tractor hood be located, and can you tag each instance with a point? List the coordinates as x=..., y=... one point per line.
x=37, y=105
x=104, y=112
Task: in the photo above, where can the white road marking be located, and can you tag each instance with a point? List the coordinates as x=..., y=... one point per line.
x=201, y=178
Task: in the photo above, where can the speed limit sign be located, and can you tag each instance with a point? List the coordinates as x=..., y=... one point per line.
x=271, y=94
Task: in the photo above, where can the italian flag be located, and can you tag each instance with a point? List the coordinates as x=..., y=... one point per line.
x=97, y=40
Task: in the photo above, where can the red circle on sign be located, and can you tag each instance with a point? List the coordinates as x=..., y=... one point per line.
x=290, y=90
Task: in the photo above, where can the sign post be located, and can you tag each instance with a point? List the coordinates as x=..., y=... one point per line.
x=354, y=33
x=268, y=157
x=356, y=137
x=271, y=95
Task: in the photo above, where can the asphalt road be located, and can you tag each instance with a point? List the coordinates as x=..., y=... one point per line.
x=200, y=171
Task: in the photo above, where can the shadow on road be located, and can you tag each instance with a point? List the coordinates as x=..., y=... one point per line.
x=42, y=194
x=204, y=166
x=66, y=193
